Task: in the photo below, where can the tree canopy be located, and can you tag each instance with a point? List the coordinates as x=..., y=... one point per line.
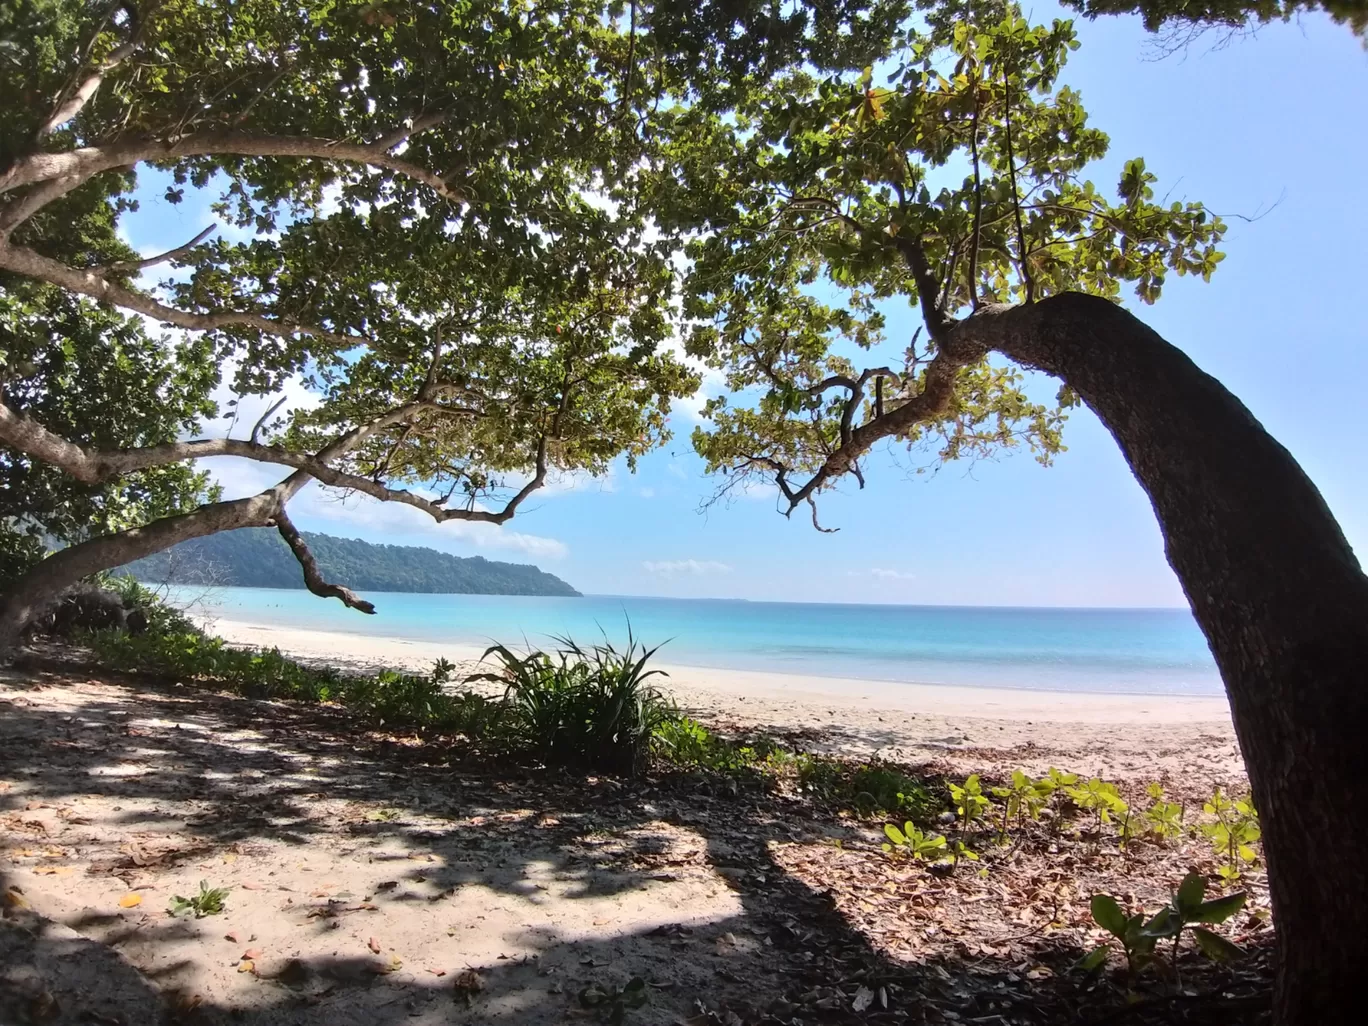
x=952, y=176
x=1229, y=14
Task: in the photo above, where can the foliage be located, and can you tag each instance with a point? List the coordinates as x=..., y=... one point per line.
x=1164, y=819
x=1099, y=797
x=1233, y=834
x=584, y=707
x=949, y=175
x=98, y=378
x=970, y=801
x=257, y=557
x=420, y=239
x=878, y=788
x=913, y=841
x=1231, y=14
x=210, y=901
x=1138, y=936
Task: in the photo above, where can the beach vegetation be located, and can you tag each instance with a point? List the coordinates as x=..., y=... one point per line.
x=208, y=901
x=971, y=804
x=1233, y=833
x=912, y=840
x=1164, y=819
x=1139, y=934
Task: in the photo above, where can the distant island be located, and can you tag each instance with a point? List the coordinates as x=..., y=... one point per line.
x=257, y=557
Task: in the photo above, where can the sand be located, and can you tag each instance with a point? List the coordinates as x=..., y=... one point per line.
x=363, y=888
x=1119, y=734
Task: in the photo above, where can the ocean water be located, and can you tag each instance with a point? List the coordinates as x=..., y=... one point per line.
x=1135, y=651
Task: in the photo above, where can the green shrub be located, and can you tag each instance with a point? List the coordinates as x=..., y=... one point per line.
x=589, y=708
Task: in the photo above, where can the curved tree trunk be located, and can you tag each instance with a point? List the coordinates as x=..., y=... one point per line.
x=1283, y=603
x=40, y=586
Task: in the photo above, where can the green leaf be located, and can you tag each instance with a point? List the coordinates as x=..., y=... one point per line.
x=1218, y=910
x=894, y=834
x=1108, y=915
x=1215, y=946
x=1094, y=958
x=1190, y=893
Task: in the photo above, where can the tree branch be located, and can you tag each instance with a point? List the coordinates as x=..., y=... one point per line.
x=1016, y=195
x=313, y=578
x=123, y=266
x=261, y=421
x=978, y=203
x=91, y=160
x=93, y=466
x=75, y=103
x=408, y=131
x=22, y=260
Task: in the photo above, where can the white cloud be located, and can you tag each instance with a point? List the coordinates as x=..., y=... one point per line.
x=883, y=574
x=696, y=567
x=675, y=470
x=646, y=493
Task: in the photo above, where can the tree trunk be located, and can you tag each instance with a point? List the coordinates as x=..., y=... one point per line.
x=1283, y=603
x=46, y=581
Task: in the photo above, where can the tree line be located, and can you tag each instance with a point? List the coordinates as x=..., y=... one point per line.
x=259, y=558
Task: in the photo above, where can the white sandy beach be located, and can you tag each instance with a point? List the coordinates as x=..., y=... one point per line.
x=1118, y=733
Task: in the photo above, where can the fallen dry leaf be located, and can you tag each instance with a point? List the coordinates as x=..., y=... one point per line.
x=14, y=898
x=246, y=966
x=231, y=936
x=374, y=945
x=251, y=954
x=395, y=964
x=468, y=981
x=437, y=972
x=130, y=900
x=249, y=886
x=52, y=870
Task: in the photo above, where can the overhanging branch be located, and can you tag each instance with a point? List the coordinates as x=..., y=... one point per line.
x=313, y=577
x=31, y=264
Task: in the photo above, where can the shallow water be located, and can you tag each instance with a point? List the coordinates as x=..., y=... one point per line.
x=1145, y=651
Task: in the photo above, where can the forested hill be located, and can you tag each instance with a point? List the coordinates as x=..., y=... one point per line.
x=257, y=557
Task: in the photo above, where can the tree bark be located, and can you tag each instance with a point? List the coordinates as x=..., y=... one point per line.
x=46, y=581
x=1282, y=600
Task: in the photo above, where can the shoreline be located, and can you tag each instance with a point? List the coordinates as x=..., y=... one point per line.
x=745, y=692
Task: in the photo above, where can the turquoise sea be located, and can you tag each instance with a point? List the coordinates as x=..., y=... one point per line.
x=1137, y=651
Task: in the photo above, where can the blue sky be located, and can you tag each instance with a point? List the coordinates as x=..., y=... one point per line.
x=1277, y=119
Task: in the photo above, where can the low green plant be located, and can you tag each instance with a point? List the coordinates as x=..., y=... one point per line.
x=1099, y=797
x=879, y=788
x=584, y=707
x=911, y=840
x=970, y=802
x=1022, y=799
x=1163, y=819
x=1139, y=937
x=210, y=901
x=1234, y=833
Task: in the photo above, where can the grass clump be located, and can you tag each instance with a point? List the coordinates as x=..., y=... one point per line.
x=590, y=708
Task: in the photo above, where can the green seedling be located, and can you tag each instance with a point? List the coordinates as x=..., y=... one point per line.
x=1023, y=799
x=1100, y=798
x=208, y=902
x=1163, y=819
x=1139, y=937
x=1233, y=834
x=970, y=801
x=912, y=841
